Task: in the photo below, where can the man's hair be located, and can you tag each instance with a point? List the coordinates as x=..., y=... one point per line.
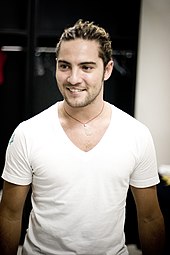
x=89, y=31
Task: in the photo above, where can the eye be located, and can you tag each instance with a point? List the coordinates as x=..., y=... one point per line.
x=63, y=66
x=87, y=68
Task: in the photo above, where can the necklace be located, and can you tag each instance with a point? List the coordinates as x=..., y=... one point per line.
x=84, y=123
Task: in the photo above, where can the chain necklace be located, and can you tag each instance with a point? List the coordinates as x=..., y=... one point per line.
x=84, y=123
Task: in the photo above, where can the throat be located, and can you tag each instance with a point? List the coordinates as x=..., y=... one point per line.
x=85, y=124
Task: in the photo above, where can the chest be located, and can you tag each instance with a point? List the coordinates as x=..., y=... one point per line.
x=85, y=137
x=62, y=166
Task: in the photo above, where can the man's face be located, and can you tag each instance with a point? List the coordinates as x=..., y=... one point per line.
x=80, y=72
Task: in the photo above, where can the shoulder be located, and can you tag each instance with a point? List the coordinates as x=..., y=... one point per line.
x=36, y=125
x=126, y=121
x=40, y=119
x=129, y=129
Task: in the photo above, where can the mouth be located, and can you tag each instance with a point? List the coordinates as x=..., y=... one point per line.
x=75, y=90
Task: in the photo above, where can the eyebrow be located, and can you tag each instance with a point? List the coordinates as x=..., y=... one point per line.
x=63, y=61
x=88, y=63
x=82, y=63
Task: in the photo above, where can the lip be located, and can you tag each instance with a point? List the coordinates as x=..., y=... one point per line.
x=75, y=90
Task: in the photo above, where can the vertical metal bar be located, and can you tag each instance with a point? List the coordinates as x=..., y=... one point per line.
x=30, y=58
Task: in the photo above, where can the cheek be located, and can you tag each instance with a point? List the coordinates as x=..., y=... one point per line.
x=93, y=78
x=60, y=78
x=98, y=78
x=59, y=83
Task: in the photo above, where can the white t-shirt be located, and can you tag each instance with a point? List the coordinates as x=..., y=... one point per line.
x=79, y=198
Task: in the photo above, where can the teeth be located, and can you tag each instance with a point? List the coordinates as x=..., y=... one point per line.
x=76, y=90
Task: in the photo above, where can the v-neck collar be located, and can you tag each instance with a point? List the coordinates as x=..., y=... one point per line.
x=74, y=146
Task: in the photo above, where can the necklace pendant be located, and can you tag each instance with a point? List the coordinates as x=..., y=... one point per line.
x=87, y=130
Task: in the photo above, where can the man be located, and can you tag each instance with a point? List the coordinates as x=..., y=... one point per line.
x=80, y=156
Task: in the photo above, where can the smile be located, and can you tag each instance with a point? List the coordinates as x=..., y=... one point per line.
x=75, y=90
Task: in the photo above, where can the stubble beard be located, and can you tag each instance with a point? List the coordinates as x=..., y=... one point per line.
x=89, y=99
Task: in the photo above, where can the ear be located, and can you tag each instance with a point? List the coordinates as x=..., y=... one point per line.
x=108, y=70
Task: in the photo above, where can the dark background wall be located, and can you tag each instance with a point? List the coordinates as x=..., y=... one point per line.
x=28, y=72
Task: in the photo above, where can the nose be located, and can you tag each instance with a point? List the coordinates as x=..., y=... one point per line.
x=74, y=77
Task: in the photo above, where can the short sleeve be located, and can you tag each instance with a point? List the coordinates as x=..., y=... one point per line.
x=145, y=173
x=17, y=169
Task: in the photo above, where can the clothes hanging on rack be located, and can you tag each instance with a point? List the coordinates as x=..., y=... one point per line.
x=2, y=62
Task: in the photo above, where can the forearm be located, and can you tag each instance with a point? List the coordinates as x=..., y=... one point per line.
x=152, y=236
x=9, y=236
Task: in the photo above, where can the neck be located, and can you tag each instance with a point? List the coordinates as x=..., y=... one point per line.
x=84, y=123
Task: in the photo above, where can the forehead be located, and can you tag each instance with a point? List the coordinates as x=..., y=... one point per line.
x=79, y=47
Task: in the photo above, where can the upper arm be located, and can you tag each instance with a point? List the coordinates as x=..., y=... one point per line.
x=13, y=199
x=146, y=201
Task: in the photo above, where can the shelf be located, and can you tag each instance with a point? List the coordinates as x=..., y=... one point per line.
x=12, y=31
x=13, y=37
